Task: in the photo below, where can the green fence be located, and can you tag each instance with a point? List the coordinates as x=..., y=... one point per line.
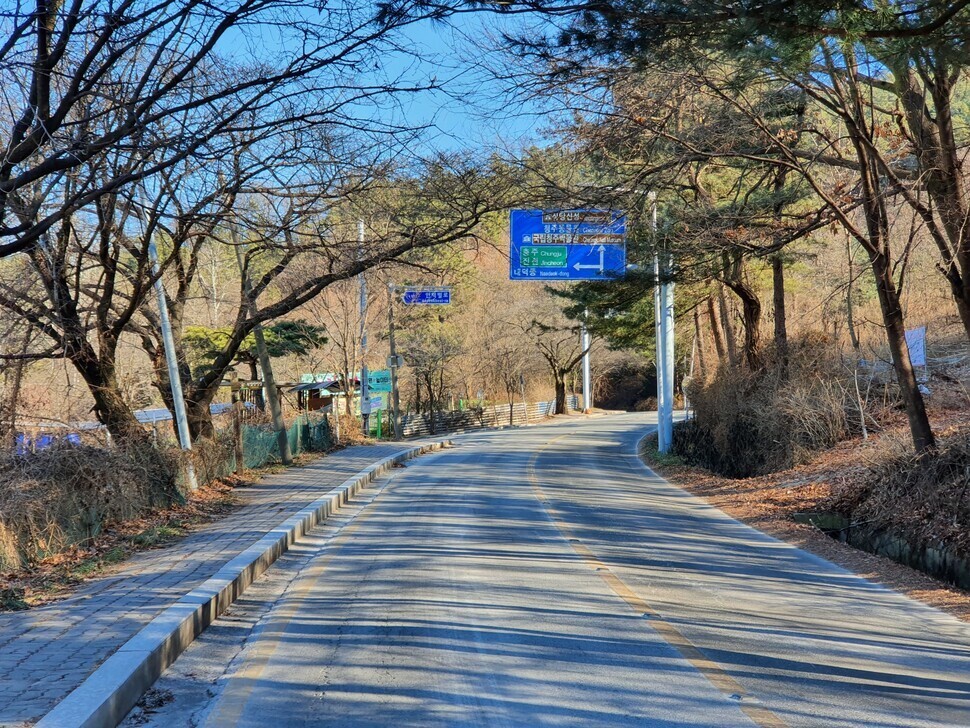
x=260, y=444
x=217, y=458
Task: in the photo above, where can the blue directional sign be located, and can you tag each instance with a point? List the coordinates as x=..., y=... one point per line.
x=569, y=245
x=379, y=380
x=426, y=297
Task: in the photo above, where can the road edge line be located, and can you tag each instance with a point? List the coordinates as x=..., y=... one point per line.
x=109, y=693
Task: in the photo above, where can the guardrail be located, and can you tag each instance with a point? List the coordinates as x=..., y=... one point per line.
x=490, y=416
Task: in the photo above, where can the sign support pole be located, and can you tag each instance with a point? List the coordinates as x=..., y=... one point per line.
x=663, y=303
x=395, y=395
x=584, y=342
x=659, y=332
x=667, y=295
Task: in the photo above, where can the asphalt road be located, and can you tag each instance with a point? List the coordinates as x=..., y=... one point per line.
x=543, y=576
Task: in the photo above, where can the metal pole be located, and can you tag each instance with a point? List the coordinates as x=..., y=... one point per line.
x=392, y=365
x=364, y=387
x=269, y=381
x=667, y=296
x=525, y=404
x=584, y=342
x=658, y=334
x=174, y=377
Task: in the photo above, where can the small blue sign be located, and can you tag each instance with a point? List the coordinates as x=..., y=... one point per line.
x=569, y=245
x=426, y=297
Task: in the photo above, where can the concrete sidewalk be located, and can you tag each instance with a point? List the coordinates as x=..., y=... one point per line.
x=49, y=651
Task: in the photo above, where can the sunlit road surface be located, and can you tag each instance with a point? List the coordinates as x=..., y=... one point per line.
x=543, y=576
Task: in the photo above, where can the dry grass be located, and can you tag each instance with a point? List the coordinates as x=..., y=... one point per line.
x=749, y=423
x=66, y=494
x=57, y=575
x=925, y=499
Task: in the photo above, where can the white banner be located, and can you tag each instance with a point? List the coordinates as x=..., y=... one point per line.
x=916, y=341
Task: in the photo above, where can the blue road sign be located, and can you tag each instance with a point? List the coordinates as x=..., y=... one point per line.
x=569, y=245
x=426, y=297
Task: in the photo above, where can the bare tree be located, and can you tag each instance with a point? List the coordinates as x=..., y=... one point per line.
x=156, y=84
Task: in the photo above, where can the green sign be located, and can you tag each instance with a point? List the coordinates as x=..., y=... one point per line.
x=379, y=380
x=543, y=256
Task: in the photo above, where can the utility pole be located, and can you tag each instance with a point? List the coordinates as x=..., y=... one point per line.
x=392, y=363
x=364, y=387
x=171, y=362
x=269, y=381
x=584, y=342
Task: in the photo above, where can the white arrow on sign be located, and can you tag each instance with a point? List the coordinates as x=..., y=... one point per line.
x=600, y=267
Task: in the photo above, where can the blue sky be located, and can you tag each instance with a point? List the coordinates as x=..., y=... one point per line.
x=474, y=109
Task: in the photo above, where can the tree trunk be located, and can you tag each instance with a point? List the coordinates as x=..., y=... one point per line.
x=892, y=314
x=13, y=394
x=348, y=386
x=432, y=402
x=510, y=395
x=699, y=338
x=110, y=406
x=849, y=306
x=778, y=291
x=751, y=314
x=730, y=339
x=100, y=376
x=716, y=331
x=561, y=408
x=876, y=241
x=937, y=152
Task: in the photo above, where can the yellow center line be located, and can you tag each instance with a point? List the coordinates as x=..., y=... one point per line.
x=714, y=673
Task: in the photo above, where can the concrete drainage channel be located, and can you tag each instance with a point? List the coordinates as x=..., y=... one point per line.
x=937, y=560
x=112, y=690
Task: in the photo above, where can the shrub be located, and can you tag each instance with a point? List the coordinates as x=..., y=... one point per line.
x=213, y=458
x=66, y=494
x=750, y=423
x=924, y=499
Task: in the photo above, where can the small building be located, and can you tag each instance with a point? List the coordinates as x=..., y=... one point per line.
x=317, y=395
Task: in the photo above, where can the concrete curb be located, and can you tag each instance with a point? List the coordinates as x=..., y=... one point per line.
x=111, y=691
